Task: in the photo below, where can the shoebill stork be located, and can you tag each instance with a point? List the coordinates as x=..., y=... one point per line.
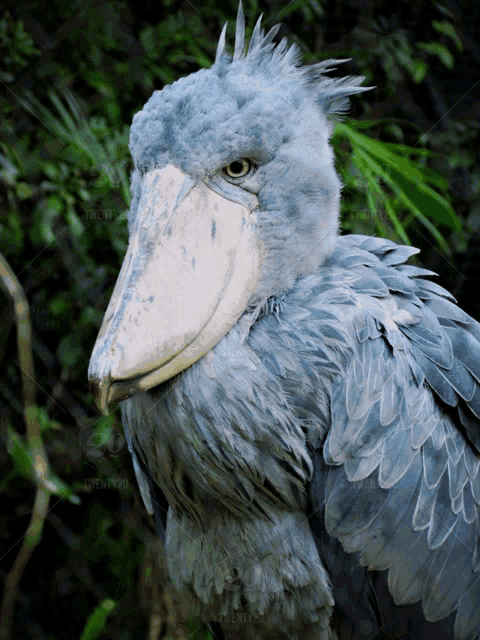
x=302, y=408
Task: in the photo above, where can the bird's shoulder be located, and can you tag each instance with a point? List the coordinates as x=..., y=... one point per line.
x=409, y=326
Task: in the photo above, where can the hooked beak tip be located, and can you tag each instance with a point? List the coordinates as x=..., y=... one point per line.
x=100, y=391
x=106, y=392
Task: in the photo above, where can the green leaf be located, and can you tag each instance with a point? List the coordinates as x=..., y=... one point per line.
x=60, y=488
x=46, y=423
x=97, y=621
x=20, y=455
x=51, y=171
x=148, y=41
x=408, y=182
x=54, y=205
x=439, y=50
x=9, y=171
x=74, y=222
x=418, y=70
x=24, y=191
x=447, y=29
x=91, y=316
x=25, y=466
x=46, y=212
x=60, y=305
x=69, y=351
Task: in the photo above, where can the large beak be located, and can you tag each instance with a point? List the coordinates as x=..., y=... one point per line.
x=191, y=266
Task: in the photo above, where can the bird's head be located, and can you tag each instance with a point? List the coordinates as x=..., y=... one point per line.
x=234, y=197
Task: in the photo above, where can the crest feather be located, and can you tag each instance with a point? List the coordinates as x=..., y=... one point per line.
x=330, y=94
x=221, y=45
x=257, y=36
x=239, y=34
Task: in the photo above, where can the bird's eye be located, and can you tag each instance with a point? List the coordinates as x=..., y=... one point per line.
x=238, y=169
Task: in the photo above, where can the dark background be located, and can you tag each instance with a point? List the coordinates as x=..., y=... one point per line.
x=73, y=74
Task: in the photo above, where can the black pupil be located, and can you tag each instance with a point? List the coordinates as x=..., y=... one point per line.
x=236, y=167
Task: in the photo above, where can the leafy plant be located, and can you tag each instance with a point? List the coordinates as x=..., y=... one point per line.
x=392, y=179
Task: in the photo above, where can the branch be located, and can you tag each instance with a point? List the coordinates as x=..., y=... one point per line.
x=40, y=462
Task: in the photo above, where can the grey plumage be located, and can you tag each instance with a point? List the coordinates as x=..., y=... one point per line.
x=333, y=433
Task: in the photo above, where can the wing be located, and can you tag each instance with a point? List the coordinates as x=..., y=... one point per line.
x=397, y=481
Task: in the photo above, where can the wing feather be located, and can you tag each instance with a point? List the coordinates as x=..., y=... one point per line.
x=348, y=502
x=458, y=478
x=435, y=462
x=450, y=572
x=397, y=457
x=406, y=577
x=468, y=614
x=401, y=463
x=443, y=518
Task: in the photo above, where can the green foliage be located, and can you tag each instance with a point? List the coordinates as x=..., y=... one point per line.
x=16, y=47
x=24, y=464
x=122, y=550
x=310, y=10
x=98, y=619
x=447, y=29
x=399, y=56
x=394, y=181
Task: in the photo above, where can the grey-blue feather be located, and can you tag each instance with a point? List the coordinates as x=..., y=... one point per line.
x=402, y=480
x=348, y=393
x=333, y=377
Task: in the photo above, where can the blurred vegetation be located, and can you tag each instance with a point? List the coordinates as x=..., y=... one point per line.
x=73, y=76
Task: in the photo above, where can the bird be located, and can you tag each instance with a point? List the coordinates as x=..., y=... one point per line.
x=302, y=407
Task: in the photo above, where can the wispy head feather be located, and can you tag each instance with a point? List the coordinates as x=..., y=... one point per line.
x=330, y=94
